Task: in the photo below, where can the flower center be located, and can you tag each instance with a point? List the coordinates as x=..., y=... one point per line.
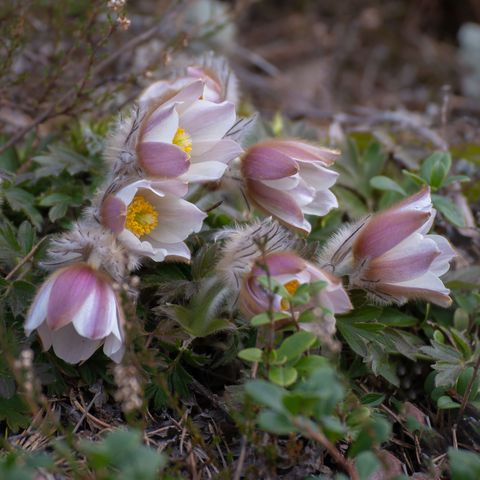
x=142, y=217
x=183, y=140
x=291, y=287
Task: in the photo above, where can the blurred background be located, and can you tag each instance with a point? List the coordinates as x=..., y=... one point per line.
x=305, y=58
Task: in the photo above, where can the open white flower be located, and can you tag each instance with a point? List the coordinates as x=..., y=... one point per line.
x=76, y=310
x=182, y=136
x=151, y=220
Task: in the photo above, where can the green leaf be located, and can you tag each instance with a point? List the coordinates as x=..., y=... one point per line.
x=309, y=364
x=293, y=346
x=464, y=465
x=373, y=399
x=448, y=209
x=14, y=412
x=367, y=464
x=385, y=183
x=435, y=168
x=266, y=394
x=464, y=379
x=375, y=432
x=275, y=422
x=251, y=354
x=418, y=180
x=22, y=201
x=283, y=376
x=264, y=318
x=446, y=403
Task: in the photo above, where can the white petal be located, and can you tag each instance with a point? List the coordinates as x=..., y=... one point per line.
x=38, y=310
x=323, y=202
x=441, y=264
x=317, y=175
x=177, y=219
x=127, y=193
x=204, y=172
x=223, y=151
x=161, y=126
x=45, y=335
x=206, y=120
x=71, y=347
x=285, y=183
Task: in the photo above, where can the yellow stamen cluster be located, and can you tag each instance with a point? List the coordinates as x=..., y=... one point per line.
x=142, y=217
x=291, y=287
x=183, y=140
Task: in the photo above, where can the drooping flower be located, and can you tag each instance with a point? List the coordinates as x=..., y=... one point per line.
x=391, y=256
x=151, y=220
x=290, y=178
x=244, y=244
x=291, y=271
x=76, y=311
x=182, y=136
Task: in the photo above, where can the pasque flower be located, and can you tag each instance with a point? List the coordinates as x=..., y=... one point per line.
x=77, y=310
x=150, y=219
x=291, y=271
x=182, y=136
x=394, y=259
x=290, y=178
x=219, y=82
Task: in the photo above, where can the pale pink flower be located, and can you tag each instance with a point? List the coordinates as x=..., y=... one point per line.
x=395, y=260
x=289, y=179
x=214, y=89
x=151, y=220
x=182, y=136
x=291, y=271
x=76, y=311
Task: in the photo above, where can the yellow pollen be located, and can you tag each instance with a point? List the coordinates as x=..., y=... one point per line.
x=142, y=217
x=183, y=140
x=291, y=287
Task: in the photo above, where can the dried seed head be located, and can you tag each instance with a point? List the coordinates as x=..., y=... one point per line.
x=129, y=392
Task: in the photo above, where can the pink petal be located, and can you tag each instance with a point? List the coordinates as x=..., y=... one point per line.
x=279, y=264
x=113, y=213
x=206, y=120
x=69, y=291
x=386, y=230
x=407, y=260
x=420, y=201
x=277, y=203
x=262, y=163
x=304, y=151
x=162, y=159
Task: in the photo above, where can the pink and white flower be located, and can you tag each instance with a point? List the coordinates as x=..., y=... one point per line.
x=395, y=260
x=291, y=271
x=289, y=179
x=215, y=90
x=182, y=136
x=151, y=220
x=76, y=311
